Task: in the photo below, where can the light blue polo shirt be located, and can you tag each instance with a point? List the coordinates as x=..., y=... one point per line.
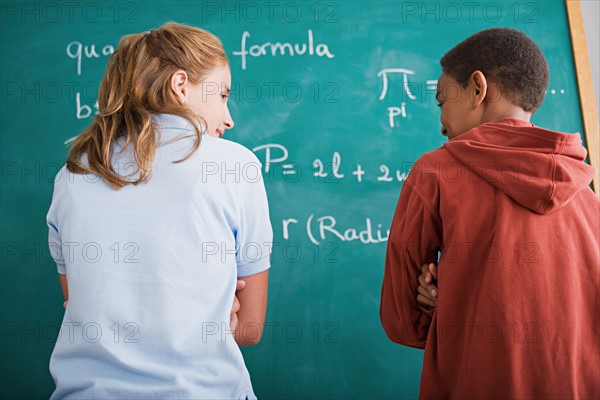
x=152, y=271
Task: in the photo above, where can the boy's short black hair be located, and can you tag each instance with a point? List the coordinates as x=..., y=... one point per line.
x=508, y=58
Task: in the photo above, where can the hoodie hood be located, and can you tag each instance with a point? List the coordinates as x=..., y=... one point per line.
x=540, y=169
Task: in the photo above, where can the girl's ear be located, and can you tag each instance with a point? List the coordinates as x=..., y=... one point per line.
x=179, y=83
x=478, y=86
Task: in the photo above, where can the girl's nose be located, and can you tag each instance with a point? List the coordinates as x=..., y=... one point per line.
x=228, y=121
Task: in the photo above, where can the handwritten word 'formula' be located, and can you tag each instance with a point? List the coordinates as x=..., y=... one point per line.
x=282, y=49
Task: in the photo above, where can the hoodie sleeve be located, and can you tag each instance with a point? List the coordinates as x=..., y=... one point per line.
x=415, y=238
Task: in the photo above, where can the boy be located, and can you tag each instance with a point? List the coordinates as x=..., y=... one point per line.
x=508, y=207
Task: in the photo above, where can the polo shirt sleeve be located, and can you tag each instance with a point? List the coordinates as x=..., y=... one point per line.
x=54, y=240
x=254, y=237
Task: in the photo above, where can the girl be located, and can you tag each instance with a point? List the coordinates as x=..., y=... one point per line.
x=152, y=220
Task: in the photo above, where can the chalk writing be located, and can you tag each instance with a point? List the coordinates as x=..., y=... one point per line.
x=282, y=49
x=276, y=155
x=326, y=229
x=77, y=51
x=409, y=92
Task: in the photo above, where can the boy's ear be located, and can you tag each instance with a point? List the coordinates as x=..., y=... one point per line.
x=179, y=82
x=478, y=84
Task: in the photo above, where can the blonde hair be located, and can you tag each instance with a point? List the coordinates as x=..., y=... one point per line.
x=137, y=84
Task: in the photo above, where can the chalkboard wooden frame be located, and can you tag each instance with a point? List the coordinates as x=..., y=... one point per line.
x=586, y=87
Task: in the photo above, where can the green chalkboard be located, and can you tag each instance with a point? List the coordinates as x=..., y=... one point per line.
x=336, y=98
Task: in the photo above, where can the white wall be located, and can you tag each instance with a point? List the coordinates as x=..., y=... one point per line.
x=591, y=20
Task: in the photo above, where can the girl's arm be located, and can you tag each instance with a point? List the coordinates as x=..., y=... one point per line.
x=65, y=289
x=254, y=302
x=253, y=307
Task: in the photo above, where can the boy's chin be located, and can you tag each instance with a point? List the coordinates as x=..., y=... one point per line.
x=452, y=135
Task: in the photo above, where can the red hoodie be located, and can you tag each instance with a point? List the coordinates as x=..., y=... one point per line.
x=508, y=207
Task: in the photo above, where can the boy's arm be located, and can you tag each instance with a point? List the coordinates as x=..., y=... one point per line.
x=428, y=285
x=415, y=238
